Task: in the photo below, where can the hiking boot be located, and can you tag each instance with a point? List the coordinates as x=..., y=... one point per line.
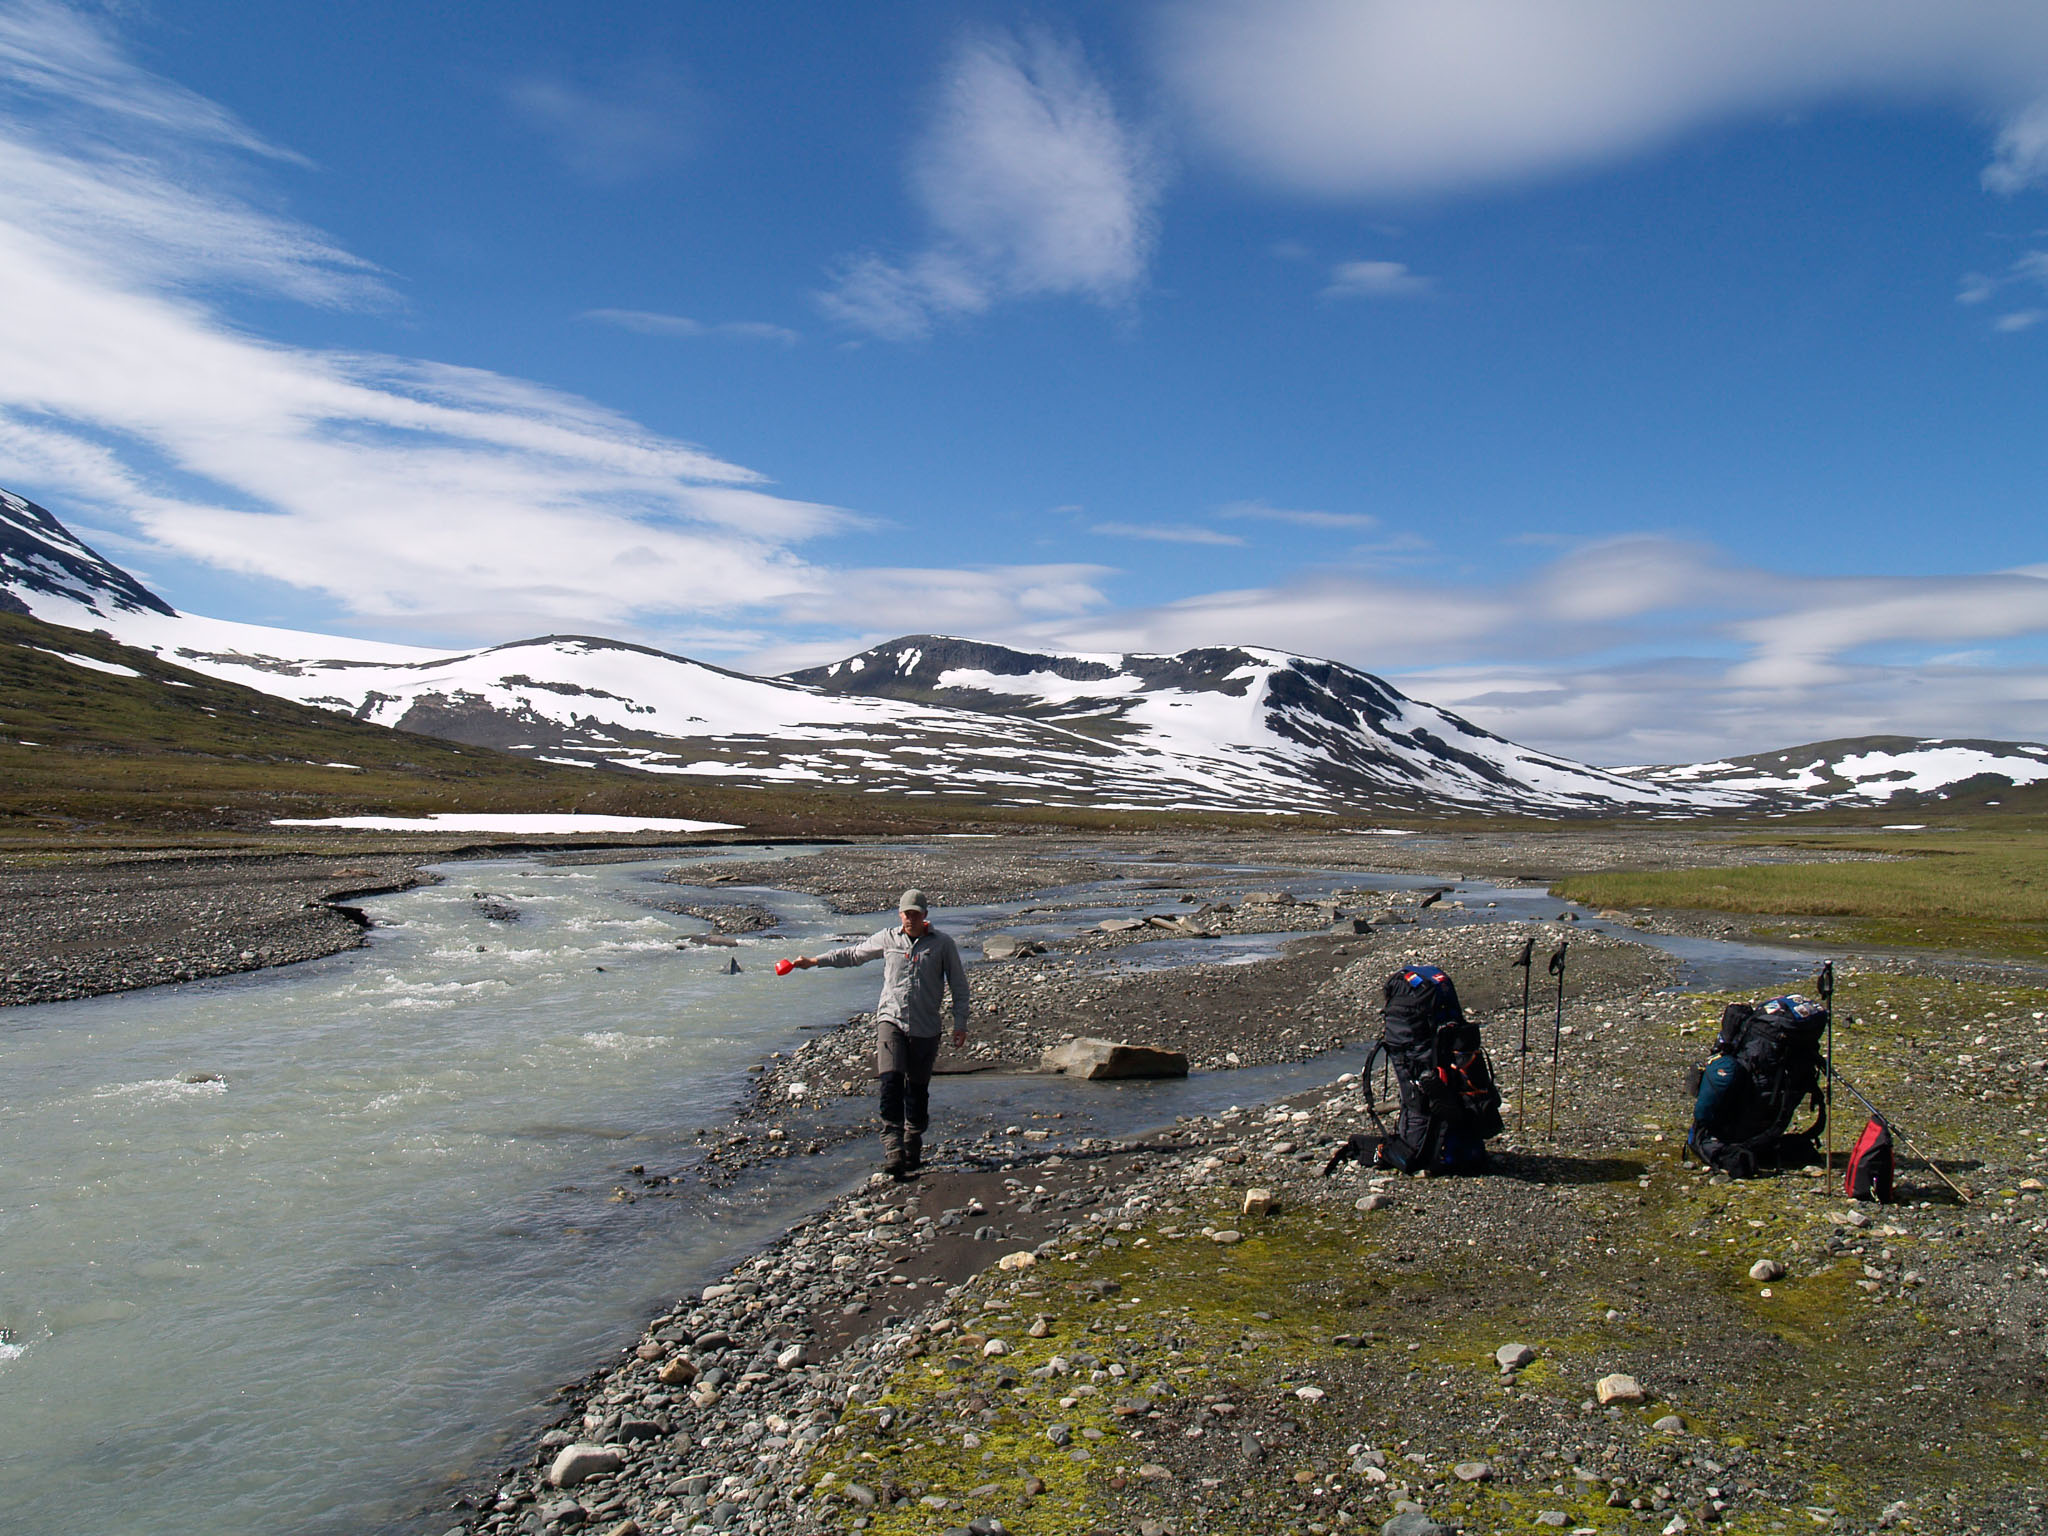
x=913, y=1150
x=892, y=1151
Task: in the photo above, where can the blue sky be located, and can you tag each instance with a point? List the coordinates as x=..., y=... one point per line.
x=1647, y=383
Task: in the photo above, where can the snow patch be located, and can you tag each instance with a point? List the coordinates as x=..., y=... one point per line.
x=445, y=821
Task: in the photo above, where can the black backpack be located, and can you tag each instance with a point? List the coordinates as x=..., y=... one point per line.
x=1420, y=1000
x=1767, y=1063
x=1440, y=1054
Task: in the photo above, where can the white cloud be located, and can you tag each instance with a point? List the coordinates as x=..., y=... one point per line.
x=647, y=322
x=1647, y=649
x=638, y=119
x=2021, y=158
x=1346, y=97
x=2030, y=269
x=971, y=600
x=1300, y=517
x=1032, y=185
x=1374, y=280
x=422, y=496
x=1166, y=533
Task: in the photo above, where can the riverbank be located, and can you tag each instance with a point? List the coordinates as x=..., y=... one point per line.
x=84, y=928
x=1157, y=1359
x=1165, y=1361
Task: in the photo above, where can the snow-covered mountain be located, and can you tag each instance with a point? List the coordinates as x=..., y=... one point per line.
x=1228, y=728
x=1248, y=722
x=1867, y=771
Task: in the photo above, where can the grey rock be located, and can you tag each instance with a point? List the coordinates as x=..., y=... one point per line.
x=1007, y=946
x=1412, y=1522
x=580, y=1462
x=1512, y=1357
x=1100, y=1059
x=564, y=1512
x=1472, y=1472
x=1248, y=1445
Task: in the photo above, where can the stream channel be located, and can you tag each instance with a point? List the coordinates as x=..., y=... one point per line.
x=288, y=1252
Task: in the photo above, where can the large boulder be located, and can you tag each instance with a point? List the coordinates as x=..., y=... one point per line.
x=1111, y=1058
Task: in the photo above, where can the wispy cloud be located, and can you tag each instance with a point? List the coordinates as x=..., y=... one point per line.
x=1377, y=97
x=1374, y=280
x=1032, y=185
x=647, y=322
x=2029, y=271
x=1166, y=533
x=639, y=118
x=422, y=497
x=1649, y=649
x=2021, y=156
x=1300, y=517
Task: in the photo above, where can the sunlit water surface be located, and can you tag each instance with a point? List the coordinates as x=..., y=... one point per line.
x=303, y=1294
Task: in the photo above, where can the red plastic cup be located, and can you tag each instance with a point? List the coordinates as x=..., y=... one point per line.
x=784, y=967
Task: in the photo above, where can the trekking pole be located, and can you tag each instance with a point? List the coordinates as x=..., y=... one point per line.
x=1885, y=1121
x=1522, y=1061
x=1824, y=984
x=1557, y=1032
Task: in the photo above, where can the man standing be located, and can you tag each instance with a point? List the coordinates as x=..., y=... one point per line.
x=918, y=964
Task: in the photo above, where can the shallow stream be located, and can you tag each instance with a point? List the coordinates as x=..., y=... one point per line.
x=287, y=1252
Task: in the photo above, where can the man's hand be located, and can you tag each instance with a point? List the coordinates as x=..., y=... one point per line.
x=959, y=1038
x=805, y=962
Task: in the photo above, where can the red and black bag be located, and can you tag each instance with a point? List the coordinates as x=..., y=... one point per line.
x=1870, y=1164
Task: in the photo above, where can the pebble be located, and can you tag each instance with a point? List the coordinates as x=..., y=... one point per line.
x=1372, y=1202
x=1512, y=1357
x=1258, y=1202
x=1411, y=1522
x=1766, y=1269
x=1670, y=1424
x=1618, y=1389
x=1550, y=1517
x=1472, y=1472
x=1226, y=1237
x=579, y=1462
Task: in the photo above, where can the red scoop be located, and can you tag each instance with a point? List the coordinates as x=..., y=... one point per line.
x=784, y=967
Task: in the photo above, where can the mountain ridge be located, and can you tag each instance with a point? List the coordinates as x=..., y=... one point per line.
x=1213, y=728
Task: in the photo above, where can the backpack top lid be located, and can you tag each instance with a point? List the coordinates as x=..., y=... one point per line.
x=1423, y=976
x=1799, y=1007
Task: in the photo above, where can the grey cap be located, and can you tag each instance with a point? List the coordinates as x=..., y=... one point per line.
x=913, y=900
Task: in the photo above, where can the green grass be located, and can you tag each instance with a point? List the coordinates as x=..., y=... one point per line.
x=1953, y=890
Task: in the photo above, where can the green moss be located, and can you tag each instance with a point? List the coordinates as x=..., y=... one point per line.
x=1958, y=890
x=1248, y=1322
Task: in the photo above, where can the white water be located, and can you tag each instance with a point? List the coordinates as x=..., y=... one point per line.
x=280, y=1301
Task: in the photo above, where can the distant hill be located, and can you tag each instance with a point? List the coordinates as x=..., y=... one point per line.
x=1897, y=771
x=95, y=731
x=1227, y=728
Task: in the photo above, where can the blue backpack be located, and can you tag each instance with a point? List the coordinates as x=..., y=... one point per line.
x=1766, y=1063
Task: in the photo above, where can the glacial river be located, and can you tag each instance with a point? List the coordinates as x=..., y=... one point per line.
x=288, y=1252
